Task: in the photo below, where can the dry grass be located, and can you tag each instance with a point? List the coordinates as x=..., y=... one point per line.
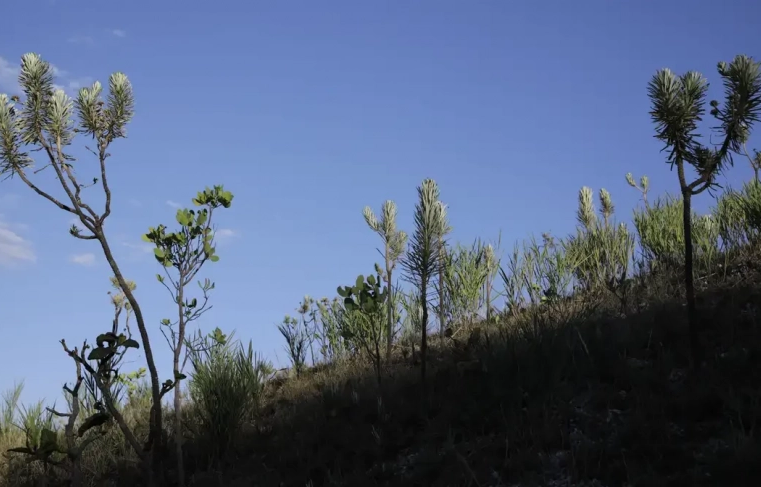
x=604, y=400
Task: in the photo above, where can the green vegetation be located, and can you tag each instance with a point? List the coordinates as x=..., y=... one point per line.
x=590, y=374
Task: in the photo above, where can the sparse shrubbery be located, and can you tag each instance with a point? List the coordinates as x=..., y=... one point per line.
x=590, y=326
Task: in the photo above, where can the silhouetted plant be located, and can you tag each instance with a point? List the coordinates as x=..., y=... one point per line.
x=424, y=254
x=677, y=108
x=43, y=122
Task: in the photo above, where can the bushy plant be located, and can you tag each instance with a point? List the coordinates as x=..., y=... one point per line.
x=226, y=383
x=466, y=271
x=661, y=235
x=601, y=250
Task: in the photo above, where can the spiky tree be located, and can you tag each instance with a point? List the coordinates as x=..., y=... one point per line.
x=394, y=242
x=678, y=106
x=44, y=121
x=423, y=259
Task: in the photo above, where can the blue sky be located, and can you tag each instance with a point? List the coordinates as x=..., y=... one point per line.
x=307, y=112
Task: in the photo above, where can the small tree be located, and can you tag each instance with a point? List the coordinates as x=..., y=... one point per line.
x=677, y=109
x=44, y=122
x=394, y=242
x=186, y=251
x=423, y=259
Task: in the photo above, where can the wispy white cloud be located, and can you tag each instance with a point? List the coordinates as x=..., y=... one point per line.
x=8, y=76
x=225, y=235
x=86, y=260
x=173, y=204
x=135, y=203
x=138, y=251
x=119, y=33
x=80, y=39
x=13, y=247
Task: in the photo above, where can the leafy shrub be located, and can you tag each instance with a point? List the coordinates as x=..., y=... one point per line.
x=225, y=387
x=661, y=235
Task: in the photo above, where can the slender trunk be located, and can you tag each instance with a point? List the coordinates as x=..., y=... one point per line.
x=424, y=326
x=390, y=307
x=177, y=391
x=689, y=282
x=378, y=339
x=488, y=298
x=441, y=288
x=156, y=430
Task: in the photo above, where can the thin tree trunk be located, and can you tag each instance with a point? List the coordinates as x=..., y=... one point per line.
x=155, y=431
x=177, y=392
x=488, y=298
x=390, y=307
x=689, y=281
x=424, y=338
x=442, y=292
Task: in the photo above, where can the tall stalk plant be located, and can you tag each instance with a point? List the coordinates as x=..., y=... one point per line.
x=394, y=242
x=677, y=107
x=423, y=259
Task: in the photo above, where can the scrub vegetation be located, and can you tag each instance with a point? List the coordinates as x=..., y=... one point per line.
x=617, y=355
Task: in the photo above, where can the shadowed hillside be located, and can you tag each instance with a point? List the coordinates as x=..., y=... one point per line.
x=618, y=355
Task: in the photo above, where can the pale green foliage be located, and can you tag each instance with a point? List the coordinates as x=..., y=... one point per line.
x=466, y=270
x=548, y=270
x=394, y=242
x=413, y=316
x=33, y=421
x=8, y=408
x=424, y=255
x=45, y=116
x=661, y=234
x=750, y=206
x=332, y=346
x=601, y=250
x=394, y=239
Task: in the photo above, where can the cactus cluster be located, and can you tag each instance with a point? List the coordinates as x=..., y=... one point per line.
x=366, y=296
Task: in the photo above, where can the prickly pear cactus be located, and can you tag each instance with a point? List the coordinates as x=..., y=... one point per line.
x=366, y=295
